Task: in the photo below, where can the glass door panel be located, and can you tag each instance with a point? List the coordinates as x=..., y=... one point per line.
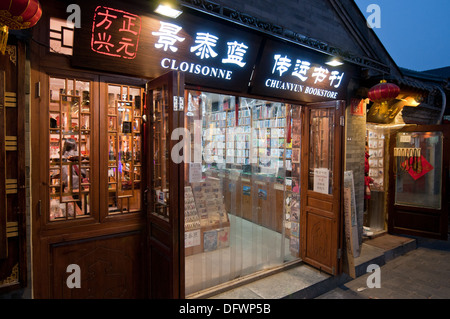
x=242, y=196
x=418, y=181
x=419, y=169
x=164, y=196
x=321, y=150
x=161, y=152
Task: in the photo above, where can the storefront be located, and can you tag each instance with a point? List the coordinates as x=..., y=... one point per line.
x=408, y=159
x=177, y=155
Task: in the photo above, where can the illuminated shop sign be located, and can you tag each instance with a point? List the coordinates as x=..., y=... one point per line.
x=123, y=39
x=211, y=52
x=204, y=48
x=115, y=33
x=290, y=72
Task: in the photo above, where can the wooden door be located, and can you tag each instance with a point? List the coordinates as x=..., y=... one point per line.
x=418, y=182
x=321, y=174
x=165, y=188
x=87, y=210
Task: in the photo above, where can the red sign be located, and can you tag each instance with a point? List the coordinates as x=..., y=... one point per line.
x=357, y=107
x=417, y=170
x=115, y=33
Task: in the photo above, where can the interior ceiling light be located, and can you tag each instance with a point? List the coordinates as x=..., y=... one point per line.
x=168, y=11
x=334, y=62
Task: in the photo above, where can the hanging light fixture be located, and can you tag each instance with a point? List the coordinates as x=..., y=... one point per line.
x=382, y=93
x=17, y=15
x=169, y=9
x=334, y=62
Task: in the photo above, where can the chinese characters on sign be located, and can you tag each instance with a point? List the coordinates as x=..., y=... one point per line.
x=210, y=53
x=115, y=33
x=283, y=64
x=302, y=76
x=204, y=47
x=204, y=44
x=168, y=37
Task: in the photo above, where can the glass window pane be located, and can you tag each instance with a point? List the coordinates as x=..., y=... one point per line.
x=70, y=144
x=419, y=169
x=321, y=150
x=124, y=149
x=242, y=209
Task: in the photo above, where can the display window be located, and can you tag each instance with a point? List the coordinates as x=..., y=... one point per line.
x=70, y=148
x=242, y=193
x=74, y=168
x=124, y=149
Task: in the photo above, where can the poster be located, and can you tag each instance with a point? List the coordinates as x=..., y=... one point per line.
x=262, y=194
x=321, y=180
x=160, y=197
x=357, y=107
x=210, y=240
x=192, y=238
x=246, y=190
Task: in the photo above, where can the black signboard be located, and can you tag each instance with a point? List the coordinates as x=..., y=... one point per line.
x=289, y=71
x=119, y=38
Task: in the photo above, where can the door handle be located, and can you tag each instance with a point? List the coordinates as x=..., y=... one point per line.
x=146, y=190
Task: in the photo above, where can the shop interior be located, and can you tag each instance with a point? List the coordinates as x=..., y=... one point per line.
x=242, y=199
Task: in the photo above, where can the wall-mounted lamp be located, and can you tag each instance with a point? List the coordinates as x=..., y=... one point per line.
x=334, y=62
x=413, y=101
x=168, y=10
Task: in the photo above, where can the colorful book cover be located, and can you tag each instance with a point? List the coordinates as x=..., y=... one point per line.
x=210, y=240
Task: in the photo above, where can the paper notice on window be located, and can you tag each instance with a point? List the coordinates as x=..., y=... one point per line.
x=321, y=180
x=195, y=172
x=192, y=238
x=405, y=138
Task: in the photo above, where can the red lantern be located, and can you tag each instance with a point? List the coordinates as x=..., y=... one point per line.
x=383, y=92
x=17, y=15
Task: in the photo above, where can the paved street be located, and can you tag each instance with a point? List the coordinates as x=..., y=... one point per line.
x=423, y=273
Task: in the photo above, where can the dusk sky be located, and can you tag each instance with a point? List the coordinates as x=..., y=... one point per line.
x=416, y=33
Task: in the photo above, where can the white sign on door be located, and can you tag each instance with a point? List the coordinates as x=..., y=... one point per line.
x=321, y=180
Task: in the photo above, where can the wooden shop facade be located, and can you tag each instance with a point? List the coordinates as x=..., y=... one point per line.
x=157, y=157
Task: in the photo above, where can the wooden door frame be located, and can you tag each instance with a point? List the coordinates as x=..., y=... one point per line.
x=21, y=71
x=337, y=189
x=167, y=236
x=45, y=234
x=445, y=184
